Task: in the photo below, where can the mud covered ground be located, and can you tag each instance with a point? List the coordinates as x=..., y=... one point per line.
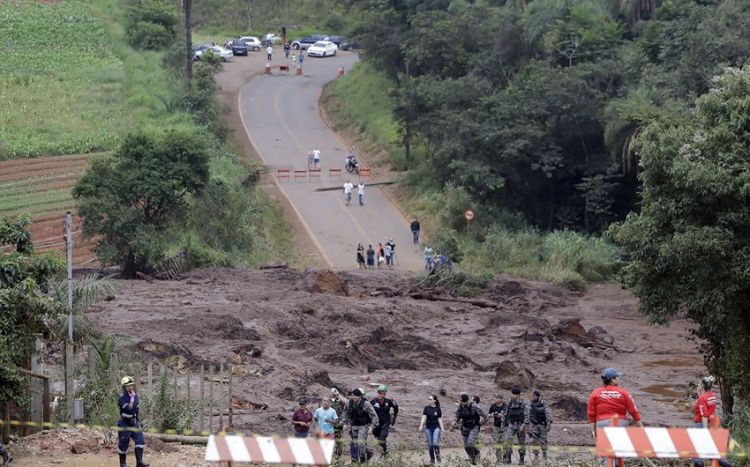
x=290, y=334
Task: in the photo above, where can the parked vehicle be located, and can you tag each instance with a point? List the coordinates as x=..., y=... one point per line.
x=322, y=49
x=252, y=42
x=239, y=48
x=271, y=39
x=216, y=50
x=341, y=42
x=307, y=41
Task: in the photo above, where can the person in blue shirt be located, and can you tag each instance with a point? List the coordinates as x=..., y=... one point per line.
x=128, y=423
x=325, y=417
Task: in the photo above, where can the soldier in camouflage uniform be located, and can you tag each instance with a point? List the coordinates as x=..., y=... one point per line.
x=338, y=403
x=541, y=420
x=516, y=424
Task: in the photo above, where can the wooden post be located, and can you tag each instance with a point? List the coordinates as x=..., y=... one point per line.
x=188, y=387
x=69, y=390
x=114, y=364
x=221, y=385
x=150, y=382
x=229, y=409
x=202, y=403
x=46, y=418
x=91, y=359
x=211, y=398
x=36, y=412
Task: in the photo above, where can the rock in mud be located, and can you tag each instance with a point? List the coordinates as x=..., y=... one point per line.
x=571, y=330
x=325, y=281
x=508, y=374
x=273, y=265
x=84, y=446
x=571, y=408
x=600, y=334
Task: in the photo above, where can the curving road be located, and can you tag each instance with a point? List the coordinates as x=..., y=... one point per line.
x=282, y=119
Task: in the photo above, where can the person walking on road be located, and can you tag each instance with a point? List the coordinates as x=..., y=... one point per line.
x=388, y=253
x=541, y=422
x=610, y=400
x=497, y=412
x=428, y=252
x=383, y=407
x=361, y=193
x=360, y=417
x=370, y=257
x=348, y=187
x=392, y=244
x=269, y=53
x=432, y=426
x=325, y=416
x=287, y=46
x=380, y=255
x=415, y=231
x=705, y=410
x=466, y=420
x=302, y=418
x=338, y=404
x=360, y=256
x=128, y=424
x=316, y=157
x=301, y=57
x=516, y=424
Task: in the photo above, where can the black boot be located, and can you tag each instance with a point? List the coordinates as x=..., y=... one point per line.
x=139, y=458
x=123, y=461
x=437, y=454
x=520, y=459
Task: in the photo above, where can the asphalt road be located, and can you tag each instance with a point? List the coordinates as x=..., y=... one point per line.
x=282, y=118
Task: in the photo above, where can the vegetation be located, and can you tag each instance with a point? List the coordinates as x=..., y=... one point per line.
x=151, y=24
x=687, y=249
x=24, y=306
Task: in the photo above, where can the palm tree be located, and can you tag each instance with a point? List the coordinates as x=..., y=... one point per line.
x=86, y=292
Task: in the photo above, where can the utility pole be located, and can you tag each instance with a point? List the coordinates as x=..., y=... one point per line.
x=188, y=40
x=69, y=389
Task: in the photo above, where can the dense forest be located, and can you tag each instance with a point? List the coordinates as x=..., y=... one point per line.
x=530, y=109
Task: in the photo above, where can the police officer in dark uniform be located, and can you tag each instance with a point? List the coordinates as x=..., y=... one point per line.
x=383, y=407
x=516, y=424
x=360, y=416
x=541, y=421
x=467, y=415
x=497, y=412
x=338, y=403
x=128, y=423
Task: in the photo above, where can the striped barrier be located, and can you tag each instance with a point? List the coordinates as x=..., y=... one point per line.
x=267, y=450
x=664, y=443
x=334, y=173
x=283, y=174
x=300, y=173
x=314, y=173
x=365, y=173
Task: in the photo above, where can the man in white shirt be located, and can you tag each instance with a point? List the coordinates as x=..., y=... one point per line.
x=348, y=187
x=269, y=52
x=361, y=193
x=316, y=157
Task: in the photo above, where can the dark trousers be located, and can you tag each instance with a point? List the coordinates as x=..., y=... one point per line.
x=470, y=442
x=381, y=433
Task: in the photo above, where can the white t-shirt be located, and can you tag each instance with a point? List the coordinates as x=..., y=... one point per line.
x=348, y=187
x=361, y=189
x=316, y=154
x=269, y=50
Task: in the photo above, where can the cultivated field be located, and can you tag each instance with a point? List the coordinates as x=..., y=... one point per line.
x=42, y=187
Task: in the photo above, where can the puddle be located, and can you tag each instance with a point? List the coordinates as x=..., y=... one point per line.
x=666, y=390
x=686, y=361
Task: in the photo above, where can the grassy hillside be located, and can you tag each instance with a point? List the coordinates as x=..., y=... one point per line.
x=68, y=82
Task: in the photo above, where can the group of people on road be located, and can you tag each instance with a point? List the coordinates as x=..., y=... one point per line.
x=384, y=255
x=287, y=49
x=349, y=188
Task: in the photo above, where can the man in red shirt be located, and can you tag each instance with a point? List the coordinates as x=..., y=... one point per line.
x=705, y=409
x=302, y=419
x=609, y=400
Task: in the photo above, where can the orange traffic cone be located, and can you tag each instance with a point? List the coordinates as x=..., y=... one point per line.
x=341, y=72
x=299, y=70
x=268, y=68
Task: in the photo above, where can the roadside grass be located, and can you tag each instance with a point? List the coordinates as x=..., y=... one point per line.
x=70, y=84
x=360, y=106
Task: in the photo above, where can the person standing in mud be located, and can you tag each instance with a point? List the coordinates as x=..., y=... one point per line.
x=338, y=403
x=302, y=418
x=497, y=412
x=383, y=407
x=432, y=424
x=705, y=410
x=541, y=422
x=360, y=416
x=466, y=419
x=516, y=424
x=128, y=424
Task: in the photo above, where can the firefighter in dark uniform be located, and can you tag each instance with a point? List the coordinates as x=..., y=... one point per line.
x=338, y=403
x=516, y=424
x=360, y=416
x=128, y=424
x=541, y=421
x=469, y=417
x=383, y=407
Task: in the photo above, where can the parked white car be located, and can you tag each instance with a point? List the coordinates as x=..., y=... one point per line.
x=252, y=42
x=225, y=54
x=322, y=49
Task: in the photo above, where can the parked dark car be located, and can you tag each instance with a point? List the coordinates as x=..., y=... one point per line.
x=341, y=41
x=239, y=48
x=307, y=41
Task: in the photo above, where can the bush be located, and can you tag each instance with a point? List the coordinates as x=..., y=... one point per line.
x=170, y=408
x=152, y=24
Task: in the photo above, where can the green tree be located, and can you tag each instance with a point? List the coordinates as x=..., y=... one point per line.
x=688, y=251
x=152, y=24
x=24, y=306
x=129, y=200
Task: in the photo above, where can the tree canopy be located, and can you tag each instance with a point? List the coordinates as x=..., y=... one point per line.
x=128, y=201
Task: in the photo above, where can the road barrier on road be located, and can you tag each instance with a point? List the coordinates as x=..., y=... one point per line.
x=615, y=442
x=334, y=173
x=299, y=70
x=268, y=450
x=365, y=173
x=283, y=174
x=284, y=68
x=267, y=70
x=314, y=173
x=300, y=174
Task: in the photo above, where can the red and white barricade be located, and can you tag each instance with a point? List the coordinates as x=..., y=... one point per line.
x=268, y=450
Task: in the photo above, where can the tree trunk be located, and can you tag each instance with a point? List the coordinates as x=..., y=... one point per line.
x=128, y=269
x=188, y=40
